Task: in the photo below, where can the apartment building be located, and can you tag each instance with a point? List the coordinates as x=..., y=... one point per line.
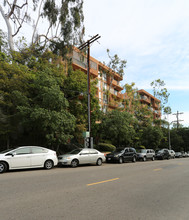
x=109, y=89
x=152, y=102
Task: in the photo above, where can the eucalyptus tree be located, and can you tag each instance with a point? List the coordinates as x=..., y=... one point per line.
x=161, y=93
x=61, y=22
x=114, y=66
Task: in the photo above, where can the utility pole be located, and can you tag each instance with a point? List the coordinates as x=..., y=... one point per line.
x=177, y=116
x=88, y=140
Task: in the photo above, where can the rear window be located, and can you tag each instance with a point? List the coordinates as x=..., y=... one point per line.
x=119, y=150
x=38, y=150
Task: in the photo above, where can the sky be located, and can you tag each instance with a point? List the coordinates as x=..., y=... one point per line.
x=153, y=36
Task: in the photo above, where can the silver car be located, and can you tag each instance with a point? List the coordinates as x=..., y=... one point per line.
x=172, y=153
x=146, y=154
x=82, y=156
x=27, y=157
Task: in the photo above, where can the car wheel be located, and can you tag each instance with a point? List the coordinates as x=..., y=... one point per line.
x=99, y=162
x=153, y=158
x=121, y=160
x=134, y=159
x=74, y=163
x=3, y=167
x=144, y=158
x=48, y=164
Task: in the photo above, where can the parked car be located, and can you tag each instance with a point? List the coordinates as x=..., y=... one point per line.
x=178, y=154
x=163, y=154
x=27, y=157
x=172, y=153
x=146, y=154
x=82, y=156
x=184, y=154
x=121, y=155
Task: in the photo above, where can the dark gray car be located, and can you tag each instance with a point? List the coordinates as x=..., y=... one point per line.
x=121, y=155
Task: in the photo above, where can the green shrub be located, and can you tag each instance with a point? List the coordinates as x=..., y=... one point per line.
x=105, y=147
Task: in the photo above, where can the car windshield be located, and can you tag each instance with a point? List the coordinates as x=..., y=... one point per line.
x=160, y=151
x=141, y=151
x=119, y=150
x=7, y=150
x=76, y=151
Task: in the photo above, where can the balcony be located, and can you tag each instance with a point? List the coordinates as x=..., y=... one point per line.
x=117, y=85
x=145, y=99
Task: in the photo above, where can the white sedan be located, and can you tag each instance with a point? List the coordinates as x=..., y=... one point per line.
x=82, y=156
x=27, y=157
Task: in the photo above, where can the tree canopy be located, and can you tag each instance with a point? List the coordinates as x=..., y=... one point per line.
x=63, y=21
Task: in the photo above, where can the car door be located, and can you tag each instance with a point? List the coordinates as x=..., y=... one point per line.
x=38, y=156
x=93, y=155
x=84, y=156
x=148, y=154
x=21, y=158
x=127, y=154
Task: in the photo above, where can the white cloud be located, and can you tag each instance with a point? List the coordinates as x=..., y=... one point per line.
x=151, y=35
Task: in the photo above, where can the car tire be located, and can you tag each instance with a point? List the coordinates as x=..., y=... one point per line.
x=99, y=162
x=74, y=163
x=144, y=158
x=121, y=160
x=3, y=167
x=134, y=159
x=48, y=164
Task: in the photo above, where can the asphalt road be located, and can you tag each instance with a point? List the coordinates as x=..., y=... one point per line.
x=142, y=191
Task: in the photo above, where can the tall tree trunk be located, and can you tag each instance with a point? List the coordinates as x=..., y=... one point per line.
x=9, y=28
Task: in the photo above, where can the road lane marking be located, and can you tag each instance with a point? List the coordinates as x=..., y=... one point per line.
x=105, y=181
x=158, y=169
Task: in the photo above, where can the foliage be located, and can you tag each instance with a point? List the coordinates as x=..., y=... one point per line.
x=75, y=89
x=180, y=139
x=104, y=147
x=151, y=137
x=63, y=21
x=160, y=92
x=118, y=127
x=116, y=64
x=33, y=105
x=134, y=106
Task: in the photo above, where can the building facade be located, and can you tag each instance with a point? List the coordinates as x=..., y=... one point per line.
x=108, y=86
x=153, y=103
x=109, y=89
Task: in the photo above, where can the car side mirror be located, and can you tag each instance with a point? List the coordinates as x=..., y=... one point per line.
x=10, y=154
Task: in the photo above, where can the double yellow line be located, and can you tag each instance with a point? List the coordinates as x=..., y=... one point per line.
x=105, y=181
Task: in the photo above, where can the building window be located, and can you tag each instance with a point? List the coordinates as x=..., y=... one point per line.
x=105, y=98
x=99, y=84
x=105, y=86
x=104, y=76
x=99, y=95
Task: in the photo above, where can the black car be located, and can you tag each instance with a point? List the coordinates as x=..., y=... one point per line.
x=121, y=155
x=163, y=154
